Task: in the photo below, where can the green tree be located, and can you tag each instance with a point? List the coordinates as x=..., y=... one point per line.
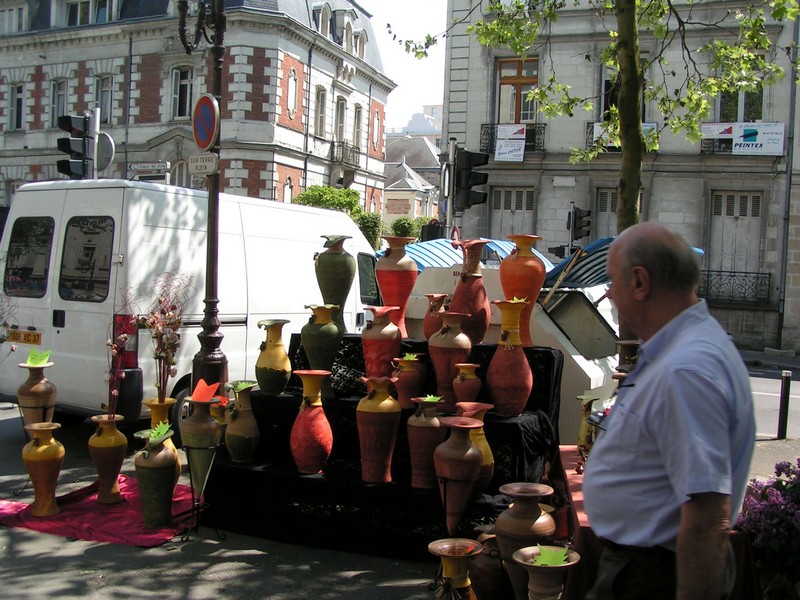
x=322, y=196
x=404, y=227
x=371, y=225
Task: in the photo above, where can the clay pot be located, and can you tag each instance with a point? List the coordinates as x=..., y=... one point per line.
x=455, y=554
x=509, y=376
x=432, y=322
x=107, y=449
x=489, y=578
x=545, y=582
x=43, y=457
x=477, y=410
x=380, y=342
x=470, y=296
x=36, y=397
x=155, y=468
x=159, y=413
x=273, y=367
x=410, y=375
x=522, y=275
x=335, y=270
x=425, y=433
x=377, y=419
x=467, y=385
x=448, y=347
x=242, y=434
x=311, y=438
x=396, y=273
x=201, y=435
x=321, y=338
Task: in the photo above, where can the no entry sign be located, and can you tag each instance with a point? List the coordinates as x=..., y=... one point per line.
x=205, y=122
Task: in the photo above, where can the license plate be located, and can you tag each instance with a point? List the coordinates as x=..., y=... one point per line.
x=24, y=337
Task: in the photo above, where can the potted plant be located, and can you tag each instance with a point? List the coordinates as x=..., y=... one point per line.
x=770, y=517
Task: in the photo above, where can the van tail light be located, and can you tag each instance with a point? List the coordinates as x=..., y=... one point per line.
x=128, y=354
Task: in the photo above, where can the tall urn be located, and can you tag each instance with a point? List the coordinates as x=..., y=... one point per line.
x=396, y=273
x=335, y=270
x=380, y=342
x=273, y=367
x=321, y=338
x=455, y=554
x=425, y=433
x=43, y=457
x=242, y=434
x=155, y=466
x=432, y=321
x=201, y=435
x=377, y=419
x=448, y=347
x=311, y=438
x=107, y=449
x=522, y=275
x=509, y=376
x=477, y=410
x=470, y=296
x=36, y=396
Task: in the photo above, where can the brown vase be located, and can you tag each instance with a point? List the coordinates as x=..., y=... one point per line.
x=396, y=273
x=273, y=367
x=107, y=449
x=425, y=432
x=458, y=464
x=448, y=347
x=455, y=554
x=380, y=342
x=36, y=396
x=522, y=524
x=201, y=435
x=335, y=270
x=410, y=375
x=467, y=385
x=321, y=338
x=509, y=377
x=545, y=582
x=489, y=578
x=242, y=435
x=522, y=275
x=377, y=419
x=311, y=438
x=432, y=321
x=43, y=457
x=155, y=468
x=159, y=413
x=477, y=410
x=470, y=297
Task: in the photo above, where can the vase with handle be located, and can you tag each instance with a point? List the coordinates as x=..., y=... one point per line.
x=410, y=375
x=273, y=367
x=432, y=321
x=335, y=270
x=321, y=338
x=509, y=376
x=311, y=438
x=377, y=420
x=155, y=466
x=470, y=296
x=396, y=273
x=380, y=342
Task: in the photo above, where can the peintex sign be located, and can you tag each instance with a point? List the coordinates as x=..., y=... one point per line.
x=205, y=122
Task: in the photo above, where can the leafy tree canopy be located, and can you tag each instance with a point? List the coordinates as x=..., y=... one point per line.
x=322, y=196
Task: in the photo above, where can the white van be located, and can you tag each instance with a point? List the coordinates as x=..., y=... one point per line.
x=71, y=248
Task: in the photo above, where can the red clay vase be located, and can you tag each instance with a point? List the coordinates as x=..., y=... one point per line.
x=377, y=419
x=470, y=296
x=432, y=322
x=522, y=275
x=477, y=410
x=425, y=432
x=410, y=375
x=380, y=342
x=311, y=438
x=396, y=273
x=509, y=377
x=448, y=347
x=467, y=385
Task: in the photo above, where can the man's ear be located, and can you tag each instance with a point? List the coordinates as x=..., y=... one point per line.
x=641, y=282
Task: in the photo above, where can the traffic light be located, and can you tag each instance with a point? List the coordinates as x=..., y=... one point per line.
x=466, y=178
x=79, y=146
x=579, y=223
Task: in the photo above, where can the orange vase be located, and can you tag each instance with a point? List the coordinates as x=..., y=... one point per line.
x=470, y=296
x=380, y=342
x=396, y=273
x=377, y=419
x=425, y=432
x=311, y=439
x=410, y=375
x=432, y=322
x=509, y=376
x=477, y=410
x=448, y=347
x=522, y=275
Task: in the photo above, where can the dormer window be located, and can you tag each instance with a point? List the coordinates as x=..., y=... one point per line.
x=78, y=13
x=359, y=43
x=348, y=38
x=13, y=19
x=325, y=21
x=86, y=12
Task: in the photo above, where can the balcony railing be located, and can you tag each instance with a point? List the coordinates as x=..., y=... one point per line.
x=347, y=154
x=534, y=137
x=734, y=286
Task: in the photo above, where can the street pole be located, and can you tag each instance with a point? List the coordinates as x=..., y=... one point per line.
x=451, y=167
x=210, y=363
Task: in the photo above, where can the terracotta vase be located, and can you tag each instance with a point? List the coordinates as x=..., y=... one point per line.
x=321, y=338
x=470, y=296
x=410, y=375
x=377, y=419
x=458, y=464
x=477, y=410
x=155, y=468
x=273, y=367
x=36, y=396
x=489, y=578
x=522, y=524
x=43, y=457
x=432, y=321
x=201, y=435
x=467, y=385
x=522, y=275
x=448, y=347
x=396, y=273
x=424, y=432
x=242, y=435
x=455, y=555
x=311, y=438
x=335, y=270
x=159, y=413
x=509, y=377
x=107, y=449
x=380, y=342
x=545, y=582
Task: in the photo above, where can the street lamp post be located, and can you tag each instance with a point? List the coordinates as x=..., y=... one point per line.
x=210, y=363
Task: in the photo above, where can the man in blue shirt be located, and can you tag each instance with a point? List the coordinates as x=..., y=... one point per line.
x=666, y=479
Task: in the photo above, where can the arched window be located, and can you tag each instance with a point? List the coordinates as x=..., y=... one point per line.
x=325, y=21
x=291, y=95
x=288, y=190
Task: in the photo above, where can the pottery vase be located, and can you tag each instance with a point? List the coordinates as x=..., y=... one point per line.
x=155, y=468
x=448, y=347
x=377, y=419
x=380, y=342
x=489, y=578
x=424, y=432
x=522, y=275
x=242, y=435
x=477, y=410
x=458, y=464
x=36, y=396
x=311, y=438
x=455, y=555
x=396, y=273
x=432, y=321
x=410, y=375
x=467, y=385
x=509, y=377
x=545, y=582
x=159, y=413
x=107, y=449
x=43, y=457
x=201, y=434
x=470, y=297
x=321, y=338
x=273, y=367
x=522, y=524
x=335, y=270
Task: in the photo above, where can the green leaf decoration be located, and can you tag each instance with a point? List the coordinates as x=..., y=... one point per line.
x=238, y=386
x=160, y=430
x=410, y=356
x=36, y=358
x=550, y=556
x=515, y=299
x=432, y=398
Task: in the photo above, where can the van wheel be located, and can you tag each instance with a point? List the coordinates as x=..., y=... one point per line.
x=180, y=411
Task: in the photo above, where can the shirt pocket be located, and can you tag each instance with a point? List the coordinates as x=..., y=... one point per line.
x=626, y=439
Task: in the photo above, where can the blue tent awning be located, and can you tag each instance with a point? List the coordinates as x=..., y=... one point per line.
x=589, y=270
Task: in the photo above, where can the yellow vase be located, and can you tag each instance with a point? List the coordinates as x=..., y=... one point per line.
x=107, y=448
x=43, y=457
x=159, y=413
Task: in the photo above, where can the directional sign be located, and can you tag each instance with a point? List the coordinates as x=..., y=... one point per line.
x=151, y=166
x=205, y=122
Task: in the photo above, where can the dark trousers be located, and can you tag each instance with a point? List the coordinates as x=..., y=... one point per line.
x=634, y=573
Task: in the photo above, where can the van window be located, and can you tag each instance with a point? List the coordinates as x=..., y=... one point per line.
x=367, y=283
x=86, y=260
x=29, y=257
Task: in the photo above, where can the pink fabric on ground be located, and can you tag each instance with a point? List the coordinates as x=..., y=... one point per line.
x=82, y=518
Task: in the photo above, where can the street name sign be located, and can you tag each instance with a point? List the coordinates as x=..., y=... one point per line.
x=204, y=164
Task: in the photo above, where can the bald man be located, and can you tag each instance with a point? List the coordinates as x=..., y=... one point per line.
x=666, y=479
